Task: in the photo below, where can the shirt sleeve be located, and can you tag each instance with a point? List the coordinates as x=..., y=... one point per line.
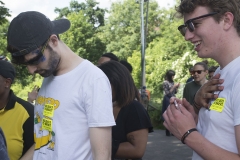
x=236, y=101
x=98, y=103
x=137, y=118
x=28, y=128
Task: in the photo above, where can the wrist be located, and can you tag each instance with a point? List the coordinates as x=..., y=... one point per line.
x=187, y=134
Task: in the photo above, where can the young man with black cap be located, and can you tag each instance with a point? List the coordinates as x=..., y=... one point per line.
x=73, y=110
x=16, y=115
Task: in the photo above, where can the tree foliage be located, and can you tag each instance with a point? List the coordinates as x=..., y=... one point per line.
x=91, y=35
x=82, y=38
x=4, y=12
x=89, y=9
x=122, y=29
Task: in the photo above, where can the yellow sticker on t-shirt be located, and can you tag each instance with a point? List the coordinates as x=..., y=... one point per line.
x=218, y=104
x=47, y=124
x=48, y=110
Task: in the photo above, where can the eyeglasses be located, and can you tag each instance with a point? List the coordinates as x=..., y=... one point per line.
x=197, y=71
x=39, y=58
x=190, y=25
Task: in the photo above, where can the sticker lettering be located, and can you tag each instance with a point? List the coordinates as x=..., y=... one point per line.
x=218, y=104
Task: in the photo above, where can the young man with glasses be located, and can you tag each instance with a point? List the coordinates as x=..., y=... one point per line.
x=73, y=109
x=214, y=132
x=199, y=72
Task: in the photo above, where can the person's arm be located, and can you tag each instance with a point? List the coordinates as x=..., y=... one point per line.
x=29, y=154
x=136, y=145
x=100, y=138
x=208, y=150
x=180, y=121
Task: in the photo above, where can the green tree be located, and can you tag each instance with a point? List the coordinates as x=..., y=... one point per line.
x=168, y=51
x=95, y=14
x=82, y=38
x=4, y=12
x=121, y=32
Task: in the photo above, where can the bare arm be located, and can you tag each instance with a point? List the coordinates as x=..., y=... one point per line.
x=136, y=145
x=179, y=121
x=29, y=154
x=100, y=138
x=208, y=150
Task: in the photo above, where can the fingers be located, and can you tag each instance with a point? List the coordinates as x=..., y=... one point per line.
x=35, y=88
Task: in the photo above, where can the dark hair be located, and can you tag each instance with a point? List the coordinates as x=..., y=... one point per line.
x=126, y=64
x=220, y=6
x=203, y=64
x=111, y=56
x=212, y=69
x=121, y=81
x=169, y=75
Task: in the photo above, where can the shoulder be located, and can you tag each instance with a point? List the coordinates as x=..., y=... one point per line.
x=26, y=105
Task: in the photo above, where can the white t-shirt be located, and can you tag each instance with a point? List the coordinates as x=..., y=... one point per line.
x=71, y=103
x=218, y=127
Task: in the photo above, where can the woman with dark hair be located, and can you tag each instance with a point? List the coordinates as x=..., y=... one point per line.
x=170, y=89
x=129, y=136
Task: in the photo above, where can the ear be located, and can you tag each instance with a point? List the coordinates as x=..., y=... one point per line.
x=8, y=82
x=53, y=40
x=228, y=18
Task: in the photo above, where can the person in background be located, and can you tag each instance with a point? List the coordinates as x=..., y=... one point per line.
x=211, y=71
x=127, y=65
x=199, y=72
x=170, y=89
x=107, y=57
x=132, y=121
x=213, y=133
x=3, y=146
x=191, y=78
x=17, y=115
x=73, y=115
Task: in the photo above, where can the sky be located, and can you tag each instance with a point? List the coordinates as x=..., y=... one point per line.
x=47, y=6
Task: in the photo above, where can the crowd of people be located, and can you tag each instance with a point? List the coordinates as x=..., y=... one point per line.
x=83, y=111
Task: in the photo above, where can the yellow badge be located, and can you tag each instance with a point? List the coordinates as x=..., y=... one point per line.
x=48, y=110
x=218, y=104
x=47, y=124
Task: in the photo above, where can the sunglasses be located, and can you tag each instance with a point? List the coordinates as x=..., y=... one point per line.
x=190, y=25
x=197, y=71
x=39, y=58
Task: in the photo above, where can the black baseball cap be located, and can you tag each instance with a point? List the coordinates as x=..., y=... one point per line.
x=7, y=70
x=29, y=30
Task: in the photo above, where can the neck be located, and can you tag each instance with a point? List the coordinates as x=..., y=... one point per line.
x=69, y=60
x=4, y=99
x=202, y=82
x=229, y=50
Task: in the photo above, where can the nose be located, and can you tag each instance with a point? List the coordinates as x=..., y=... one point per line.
x=31, y=69
x=188, y=35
